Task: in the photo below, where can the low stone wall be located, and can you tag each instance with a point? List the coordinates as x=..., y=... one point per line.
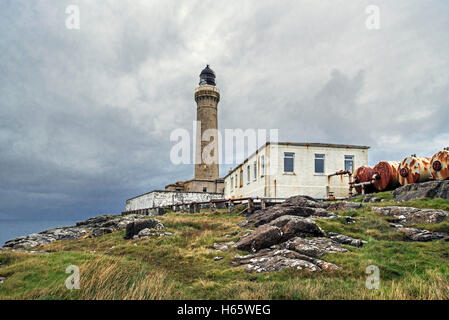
x=160, y=198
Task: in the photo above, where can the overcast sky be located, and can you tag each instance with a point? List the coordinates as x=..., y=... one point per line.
x=86, y=115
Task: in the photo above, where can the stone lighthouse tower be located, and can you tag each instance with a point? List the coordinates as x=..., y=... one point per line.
x=207, y=97
x=206, y=177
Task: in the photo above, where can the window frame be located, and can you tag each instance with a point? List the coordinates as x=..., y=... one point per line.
x=319, y=156
x=352, y=161
x=292, y=157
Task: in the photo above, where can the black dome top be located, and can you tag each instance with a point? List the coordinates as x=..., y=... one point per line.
x=207, y=76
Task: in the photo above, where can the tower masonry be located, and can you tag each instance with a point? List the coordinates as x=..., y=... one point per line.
x=207, y=97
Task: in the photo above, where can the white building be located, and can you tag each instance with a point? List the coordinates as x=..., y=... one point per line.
x=282, y=170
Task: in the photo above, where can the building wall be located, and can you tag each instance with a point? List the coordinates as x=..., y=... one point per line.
x=155, y=199
x=303, y=181
x=198, y=185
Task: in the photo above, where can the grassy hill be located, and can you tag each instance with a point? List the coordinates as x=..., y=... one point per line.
x=182, y=266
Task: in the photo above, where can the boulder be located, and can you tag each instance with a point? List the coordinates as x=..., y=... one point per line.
x=430, y=189
x=133, y=228
x=262, y=237
x=293, y=226
x=407, y=215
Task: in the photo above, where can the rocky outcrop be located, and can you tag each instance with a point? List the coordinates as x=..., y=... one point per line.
x=262, y=237
x=342, y=239
x=267, y=260
x=370, y=198
x=223, y=246
x=277, y=231
x=287, y=237
x=414, y=234
x=430, y=189
x=147, y=233
x=407, y=215
x=315, y=247
x=133, y=228
x=295, y=206
x=293, y=226
x=93, y=227
x=344, y=205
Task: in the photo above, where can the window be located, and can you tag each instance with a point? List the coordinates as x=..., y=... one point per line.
x=289, y=162
x=319, y=163
x=241, y=178
x=262, y=166
x=232, y=183
x=236, y=181
x=349, y=163
x=255, y=171
x=249, y=174
x=204, y=189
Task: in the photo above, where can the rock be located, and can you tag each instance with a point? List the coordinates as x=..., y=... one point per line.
x=371, y=198
x=293, y=226
x=262, y=237
x=144, y=233
x=223, y=246
x=218, y=258
x=133, y=228
x=96, y=226
x=267, y=260
x=295, y=206
x=344, y=205
x=100, y=232
x=430, y=189
x=342, y=239
x=304, y=201
x=315, y=247
x=407, y=215
x=414, y=234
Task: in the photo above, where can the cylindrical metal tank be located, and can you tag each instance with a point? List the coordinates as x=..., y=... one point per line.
x=439, y=165
x=386, y=175
x=363, y=174
x=414, y=169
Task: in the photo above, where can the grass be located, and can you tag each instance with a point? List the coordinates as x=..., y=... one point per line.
x=182, y=266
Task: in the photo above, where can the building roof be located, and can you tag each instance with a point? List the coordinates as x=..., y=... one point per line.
x=300, y=144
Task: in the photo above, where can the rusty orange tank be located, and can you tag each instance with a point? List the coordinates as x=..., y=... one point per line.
x=386, y=175
x=439, y=165
x=414, y=169
x=363, y=174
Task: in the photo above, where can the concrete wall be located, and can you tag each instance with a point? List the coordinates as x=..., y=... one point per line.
x=166, y=198
x=274, y=182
